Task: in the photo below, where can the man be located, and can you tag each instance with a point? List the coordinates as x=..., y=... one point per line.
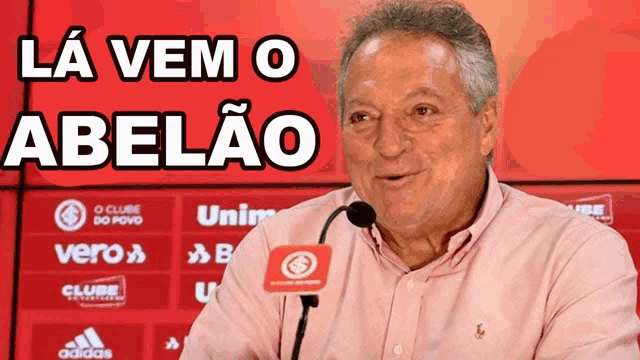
x=457, y=265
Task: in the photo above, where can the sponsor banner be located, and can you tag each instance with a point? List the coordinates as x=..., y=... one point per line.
x=616, y=206
x=209, y=252
x=600, y=207
x=87, y=341
x=239, y=208
x=99, y=252
x=195, y=289
x=169, y=340
x=94, y=291
x=97, y=212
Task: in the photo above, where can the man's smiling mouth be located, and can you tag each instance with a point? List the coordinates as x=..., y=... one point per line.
x=394, y=177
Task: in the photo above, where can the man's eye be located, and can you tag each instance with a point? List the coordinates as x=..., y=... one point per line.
x=358, y=117
x=423, y=110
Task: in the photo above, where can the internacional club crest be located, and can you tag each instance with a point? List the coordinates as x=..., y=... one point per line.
x=70, y=215
x=297, y=268
x=299, y=265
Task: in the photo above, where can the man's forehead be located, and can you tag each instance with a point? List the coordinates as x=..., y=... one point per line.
x=436, y=51
x=418, y=61
x=369, y=48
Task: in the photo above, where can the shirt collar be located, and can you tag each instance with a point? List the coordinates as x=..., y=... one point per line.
x=491, y=204
x=462, y=242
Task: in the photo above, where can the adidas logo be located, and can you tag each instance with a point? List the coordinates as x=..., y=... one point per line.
x=85, y=346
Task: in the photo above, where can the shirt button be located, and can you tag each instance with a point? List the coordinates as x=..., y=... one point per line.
x=397, y=349
x=409, y=285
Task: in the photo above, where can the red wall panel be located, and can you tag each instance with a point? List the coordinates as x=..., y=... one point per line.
x=13, y=23
x=143, y=273
x=569, y=110
x=7, y=243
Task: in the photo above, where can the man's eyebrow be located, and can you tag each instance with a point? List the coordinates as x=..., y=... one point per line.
x=358, y=101
x=425, y=91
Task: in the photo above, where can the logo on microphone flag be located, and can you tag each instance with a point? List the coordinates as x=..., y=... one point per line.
x=298, y=268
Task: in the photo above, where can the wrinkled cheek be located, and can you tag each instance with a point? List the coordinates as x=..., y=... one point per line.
x=356, y=154
x=357, y=163
x=451, y=153
x=446, y=146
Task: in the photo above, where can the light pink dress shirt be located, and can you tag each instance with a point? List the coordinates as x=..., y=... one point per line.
x=530, y=279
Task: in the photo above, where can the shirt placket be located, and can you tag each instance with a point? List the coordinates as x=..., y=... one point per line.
x=405, y=311
x=407, y=299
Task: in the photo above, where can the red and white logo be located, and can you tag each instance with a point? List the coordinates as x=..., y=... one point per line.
x=70, y=215
x=87, y=345
x=169, y=340
x=173, y=343
x=108, y=292
x=599, y=207
x=299, y=265
x=200, y=255
x=298, y=268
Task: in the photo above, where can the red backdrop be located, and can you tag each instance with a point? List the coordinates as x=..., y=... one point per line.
x=152, y=244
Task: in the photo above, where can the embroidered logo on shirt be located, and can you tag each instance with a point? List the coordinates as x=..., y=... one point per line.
x=479, y=332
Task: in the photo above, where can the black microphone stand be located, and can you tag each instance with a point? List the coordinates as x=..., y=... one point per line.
x=359, y=214
x=311, y=300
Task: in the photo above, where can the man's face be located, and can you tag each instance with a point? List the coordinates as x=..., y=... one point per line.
x=413, y=148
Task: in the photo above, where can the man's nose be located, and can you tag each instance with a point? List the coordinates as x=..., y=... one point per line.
x=390, y=139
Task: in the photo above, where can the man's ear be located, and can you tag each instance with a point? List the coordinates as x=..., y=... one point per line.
x=489, y=120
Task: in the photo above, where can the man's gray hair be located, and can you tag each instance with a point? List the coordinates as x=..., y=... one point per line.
x=446, y=19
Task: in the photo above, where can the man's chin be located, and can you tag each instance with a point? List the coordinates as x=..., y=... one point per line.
x=397, y=216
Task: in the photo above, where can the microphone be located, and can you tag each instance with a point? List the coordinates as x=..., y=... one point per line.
x=359, y=214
